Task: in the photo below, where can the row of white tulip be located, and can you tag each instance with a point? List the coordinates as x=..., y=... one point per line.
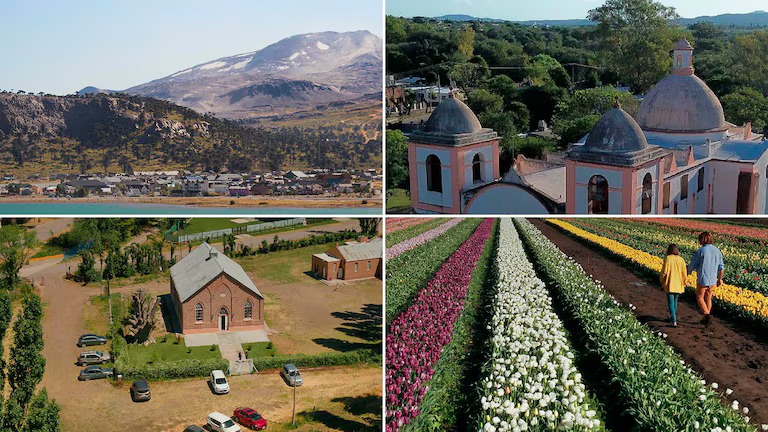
x=530, y=382
x=655, y=385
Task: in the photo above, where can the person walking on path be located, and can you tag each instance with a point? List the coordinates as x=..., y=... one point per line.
x=672, y=277
x=709, y=267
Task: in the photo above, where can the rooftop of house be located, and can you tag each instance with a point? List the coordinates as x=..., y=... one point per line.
x=203, y=265
x=361, y=250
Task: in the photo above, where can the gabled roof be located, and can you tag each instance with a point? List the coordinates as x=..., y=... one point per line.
x=361, y=251
x=203, y=265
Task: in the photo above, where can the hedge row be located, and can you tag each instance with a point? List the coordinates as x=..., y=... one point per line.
x=169, y=370
x=319, y=360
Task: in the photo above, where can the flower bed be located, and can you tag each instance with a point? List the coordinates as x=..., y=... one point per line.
x=416, y=337
x=422, y=225
x=656, y=387
x=403, y=223
x=406, y=245
x=746, y=304
x=410, y=272
x=530, y=381
x=746, y=264
x=451, y=395
x=695, y=225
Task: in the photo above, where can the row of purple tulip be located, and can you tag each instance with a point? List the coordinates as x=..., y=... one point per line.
x=406, y=245
x=416, y=337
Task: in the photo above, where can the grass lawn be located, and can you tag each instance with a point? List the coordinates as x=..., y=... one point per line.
x=48, y=249
x=283, y=266
x=398, y=201
x=197, y=225
x=170, y=351
x=272, y=231
x=260, y=349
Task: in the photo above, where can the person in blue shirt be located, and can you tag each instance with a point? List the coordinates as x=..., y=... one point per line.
x=709, y=267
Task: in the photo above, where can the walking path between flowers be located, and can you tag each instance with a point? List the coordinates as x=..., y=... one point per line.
x=724, y=353
x=406, y=245
x=416, y=337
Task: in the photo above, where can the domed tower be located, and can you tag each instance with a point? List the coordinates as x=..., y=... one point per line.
x=681, y=103
x=451, y=154
x=615, y=170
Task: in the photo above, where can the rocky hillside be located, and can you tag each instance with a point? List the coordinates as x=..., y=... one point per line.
x=292, y=74
x=120, y=133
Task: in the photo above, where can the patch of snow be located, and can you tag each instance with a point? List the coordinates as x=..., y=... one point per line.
x=322, y=46
x=282, y=67
x=238, y=65
x=304, y=53
x=246, y=54
x=213, y=65
x=182, y=72
x=293, y=56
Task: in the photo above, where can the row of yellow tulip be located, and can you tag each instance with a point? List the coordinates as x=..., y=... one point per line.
x=751, y=302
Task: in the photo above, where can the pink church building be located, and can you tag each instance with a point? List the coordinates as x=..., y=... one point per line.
x=677, y=156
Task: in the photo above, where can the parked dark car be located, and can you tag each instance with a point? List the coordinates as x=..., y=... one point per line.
x=90, y=340
x=140, y=391
x=92, y=357
x=249, y=418
x=194, y=428
x=291, y=375
x=94, y=372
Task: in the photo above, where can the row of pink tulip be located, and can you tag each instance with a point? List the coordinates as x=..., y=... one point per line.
x=406, y=245
x=416, y=337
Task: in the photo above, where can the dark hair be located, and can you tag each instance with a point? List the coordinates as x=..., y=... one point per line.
x=672, y=249
x=705, y=238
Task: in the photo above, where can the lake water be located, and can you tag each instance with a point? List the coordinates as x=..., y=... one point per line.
x=140, y=209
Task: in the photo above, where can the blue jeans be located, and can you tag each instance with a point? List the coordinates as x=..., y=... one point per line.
x=672, y=302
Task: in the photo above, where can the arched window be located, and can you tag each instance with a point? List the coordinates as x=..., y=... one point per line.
x=223, y=311
x=199, y=312
x=477, y=168
x=647, y=193
x=598, y=195
x=248, y=310
x=434, y=174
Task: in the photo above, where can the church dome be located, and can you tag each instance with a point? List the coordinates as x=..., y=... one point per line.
x=452, y=117
x=616, y=132
x=680, y=104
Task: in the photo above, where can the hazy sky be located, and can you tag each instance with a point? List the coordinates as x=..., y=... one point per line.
x=62, y=46
x=524, y=10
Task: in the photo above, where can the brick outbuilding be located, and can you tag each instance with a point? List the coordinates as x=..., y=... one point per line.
x=350, y=261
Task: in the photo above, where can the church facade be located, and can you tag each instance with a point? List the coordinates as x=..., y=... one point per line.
x=678, y=156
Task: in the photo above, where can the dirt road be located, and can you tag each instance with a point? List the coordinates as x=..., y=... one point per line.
x=724, y=353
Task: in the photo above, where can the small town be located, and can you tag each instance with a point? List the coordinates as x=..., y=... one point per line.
x=176, y=183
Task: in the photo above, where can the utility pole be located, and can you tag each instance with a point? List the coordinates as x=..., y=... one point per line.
x=293, y=416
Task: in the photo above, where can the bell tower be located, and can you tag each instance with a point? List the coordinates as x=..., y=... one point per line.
x=682, y=58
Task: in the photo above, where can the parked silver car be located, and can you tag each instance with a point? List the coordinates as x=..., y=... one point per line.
x=291, y=375
x=93, y=357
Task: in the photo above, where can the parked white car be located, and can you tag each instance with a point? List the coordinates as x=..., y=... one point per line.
x=221, y=423
x=219, y=382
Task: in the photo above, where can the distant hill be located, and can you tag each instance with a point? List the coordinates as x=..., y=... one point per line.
x=119, y=133
x=752, y=19
x=290, y=75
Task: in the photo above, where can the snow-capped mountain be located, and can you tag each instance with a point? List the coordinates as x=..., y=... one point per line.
x=298, y=71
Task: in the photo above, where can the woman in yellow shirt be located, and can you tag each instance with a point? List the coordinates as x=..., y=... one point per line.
x=673, y=276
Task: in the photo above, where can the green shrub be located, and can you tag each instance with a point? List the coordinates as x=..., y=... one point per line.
x=213, y=348
x=162, y=370
x=319, y=360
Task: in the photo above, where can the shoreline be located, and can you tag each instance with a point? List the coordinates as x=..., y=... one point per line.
x=257, y=201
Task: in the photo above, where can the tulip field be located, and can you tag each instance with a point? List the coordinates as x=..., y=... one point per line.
x=491, y=327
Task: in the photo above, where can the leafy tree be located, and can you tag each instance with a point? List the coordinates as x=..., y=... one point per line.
x=503, y=86
x=86, y=270
x=469, y=75
x=577, y=113
x=465, y=41
x=397, y=160
x=749, y=65
x=482, y=101
x=635, y=37
x=369, y=226
x=541, y=102
x=16, y=246
x=27, y=364
x=42, y=414
x=746, y=105
x=530, y=147
x=396, y=32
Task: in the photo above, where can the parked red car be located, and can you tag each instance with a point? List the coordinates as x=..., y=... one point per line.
x=248, y=417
